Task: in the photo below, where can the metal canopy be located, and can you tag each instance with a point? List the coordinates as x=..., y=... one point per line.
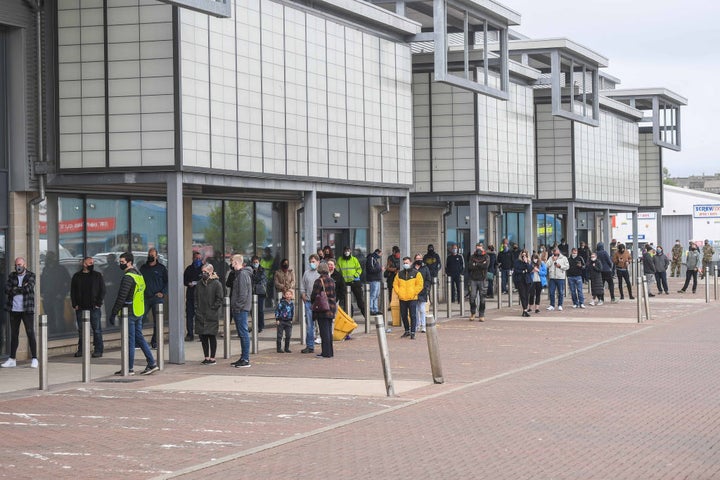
x=216, y=8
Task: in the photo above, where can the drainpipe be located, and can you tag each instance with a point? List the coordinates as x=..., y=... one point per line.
x=446, y=214
x=382, y=222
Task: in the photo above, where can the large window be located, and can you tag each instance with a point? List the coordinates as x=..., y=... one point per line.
x=550, y=229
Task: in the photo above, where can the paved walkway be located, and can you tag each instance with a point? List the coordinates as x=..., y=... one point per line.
x=578, y=394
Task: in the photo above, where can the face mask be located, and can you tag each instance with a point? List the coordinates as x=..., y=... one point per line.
x=418, y=263
x=431, y=250
x=90, y=268
x=205, y=275
x=256, y=264
x=515, y=248
x=593, y=258
x=285, y=266
x=406, y=266
x=197, y=262
x=454, y=250
x=346, y=254
x=122, y=266
x=151, y=259
x=313, y=266
x=542, y=250
x=20, y=270
x=478, y=251
x=574, y=255
x=659, y=250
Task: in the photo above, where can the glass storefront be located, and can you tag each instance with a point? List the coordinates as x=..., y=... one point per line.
x=550, y=229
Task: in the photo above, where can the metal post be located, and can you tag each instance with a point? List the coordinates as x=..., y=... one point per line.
x=366, y=294
x=124, y=341
x=254, y=336
x=160, y=350
x=510, y=291
x=434, y=297
x=43, y=367
x=707, y=285
x=640, y=299
x=497, y=290
x=348, y=300
x=384, y=354
x=228, y=334
x=301, y=317
x=462, y=296
x=646, y=297
x=382, y=302
x=434, y=350
x=448, y=297
x=86, y=346
x=716, y=282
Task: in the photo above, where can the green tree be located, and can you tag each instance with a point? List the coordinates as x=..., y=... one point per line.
x=667, y=180
x=238, y=227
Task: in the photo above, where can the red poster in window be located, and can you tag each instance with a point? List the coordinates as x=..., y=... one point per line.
x=76, y=225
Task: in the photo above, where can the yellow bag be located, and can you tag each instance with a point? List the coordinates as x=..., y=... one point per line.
x=344, y=325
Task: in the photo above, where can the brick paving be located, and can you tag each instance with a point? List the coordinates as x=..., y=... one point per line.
x=565, y=398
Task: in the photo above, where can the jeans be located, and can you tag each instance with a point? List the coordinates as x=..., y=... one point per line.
x=374, y=296
x=661, y=280
x=557, y=285
x=420, y=313
x=504, y=281
x=477, y=297
x=456, y=294
x=409, y=307
x=576, y=290
x=95, y=314
x=241, y=323
x=310, y=326
x=135, y=338
x=261, y=312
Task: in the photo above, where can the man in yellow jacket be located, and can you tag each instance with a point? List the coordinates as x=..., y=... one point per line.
x=407, y=285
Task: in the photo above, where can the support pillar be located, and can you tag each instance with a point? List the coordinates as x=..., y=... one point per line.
x=404, y=215
x=176, y=290
x=310, y=226
x=529, y=236
x=571, y=227
x=474, y=221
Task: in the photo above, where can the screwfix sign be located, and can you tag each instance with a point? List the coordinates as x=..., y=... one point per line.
x=706, y=211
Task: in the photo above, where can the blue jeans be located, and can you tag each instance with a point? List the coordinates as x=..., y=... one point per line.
x=374, y=296
x=504, y=281
x=420, y=314
x=310, y=324
x=135, y=337
x=576, y=290
x=557, y=284
x=241, y=323
x=95, y=314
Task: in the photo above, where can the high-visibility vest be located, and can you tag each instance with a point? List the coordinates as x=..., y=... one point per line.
x=138, y=302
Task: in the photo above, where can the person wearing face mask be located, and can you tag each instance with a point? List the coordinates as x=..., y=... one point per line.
x=87, y=291
x=259, y=280
x=240, y=305
x=424, y=294
x=407, y=286
x=661, y=262
x=539, y=281
x=649, y=267
x=522, y=279
x=392, y=267
x=306, y=287
x=692, y=262
x=373, y=275
x=20, y=292
x=131, y=294
x=454, y=268
x=432, y=261
x=575, y=274
x=191, y=276
x=676, y=264
x=478, y=264
x=707, y=255
x=351, y=270
x=608, y=269
x=155, y=275
x=557, y=265
x=594, y=274
x=621, y=260
x=284, y=277
x=209, y=301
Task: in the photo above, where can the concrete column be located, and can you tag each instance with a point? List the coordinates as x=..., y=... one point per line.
x=529, y=234
x=658, y=233
x=474, y=221
x=608, y=230
x=571, y=227
x=310, y=227
x=404, y=216
x=176, y=290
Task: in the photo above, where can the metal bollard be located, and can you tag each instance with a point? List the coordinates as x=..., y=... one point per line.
x=639, y=297
x=124, y=344
x=510, y=291
x=228, y=333
x=43, y=364
x=86, y=346
x=366, y=294
x=715, y=282
x=434, y=292
x=497, y=290
x=384, y=354
x=382, y=301
x=301, y=317
x=448, y=297
x=707, y=286
x=254, y=335
x=646, y=297
x=434, y=350
x=160, y=350
x=462, y=296
x=348, y=300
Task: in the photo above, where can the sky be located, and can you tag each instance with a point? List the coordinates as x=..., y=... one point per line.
x=649, y=43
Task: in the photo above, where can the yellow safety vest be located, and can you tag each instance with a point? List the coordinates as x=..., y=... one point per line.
x=138, y=302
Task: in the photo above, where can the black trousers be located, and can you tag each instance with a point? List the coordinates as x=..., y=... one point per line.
x=326, y=336
x=624, y=275
x=524, y=292
x=534, y=294
x=284, y=328
x=27, y=319
x=209, y=345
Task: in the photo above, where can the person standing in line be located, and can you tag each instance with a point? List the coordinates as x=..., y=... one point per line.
x=208, y=301
x=676, y=264
x=424, y=295
x=392, y=267
x=597, y=286
x=492, y=271
x=661, y=263
x=20, y=292
x=306, y=286
x=621, y=260
x=557, y=265
x=351, y=270
x=539, y=281
x=522, y=279
x=564, y=247
x=692, y=263
x=132, y=295
x=87, y=292
x=191, y=277
x=707, y=254
x=155, y=275
x=432, y=262
x=607, y=269
x=407, y=285
x=584, y=252
x=454, y=267
x=240, y=306
x=284, y=313
x=285, y=277
x=648, y=267
x=373, y=275
x=575, y=274
x=478, y=264
x=506, y=261
x=259, y=280
x=339, y=283
x=325, y=319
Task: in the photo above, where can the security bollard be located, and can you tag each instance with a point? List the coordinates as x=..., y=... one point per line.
x=366, y=294
x=640, y=299
x=510, y=292
x=301, y=317
x=160, y=338
x=715, y=282
x=646, y=297
x=254, y=335
x=228, y=333
x=124, y=341
x=462, y=296
x=86, y=346
x=434, y=350
x=382, y=301
x=434, y=296
x=707, y=287
x=348, y=301
x=448, y=297
x=384, y=354
x=497, y=291
x=43, y=367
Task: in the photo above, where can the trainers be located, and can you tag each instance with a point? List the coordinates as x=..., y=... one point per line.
x=575, y=306
x=9, y=363
x=681, y=291
x=406, y=334
x=33, y=363
x=537, y=310
x=614, y=300
x=559, y=308
x=481, y=319
x=551, y=308
x=131, y=372
x=592, y=303
x=150, y=369
x=304, y=350
x=422, y=331
x=241, y=364
x=388, y=330
x=96, y=355
x=582, y=305
x=212, y=361
x=600, y=303
x=412, y=336
x=318, y=341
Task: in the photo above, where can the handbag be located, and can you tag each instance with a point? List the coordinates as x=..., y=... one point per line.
x=321, y=303
x=490, y=276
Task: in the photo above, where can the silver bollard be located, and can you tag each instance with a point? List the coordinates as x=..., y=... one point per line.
x=510, y=291
x=366, y=294
x=382, y=301
x=434, y=350
x=448, y=297
x=384, y=354
x=639, y=297
x=462, y=296
x=707, y=286
x=434, y=300
x=86, y=346
x=254, y=335
x=124, y=342
x=301, y=318
x=715, y=282
x=43, y=364
x=646, y=297
x=497, y=290
x=228, y=334
x=160, y=338
x=348, y=301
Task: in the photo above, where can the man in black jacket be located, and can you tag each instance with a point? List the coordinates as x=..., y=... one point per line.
x=454, y=267
x=156, y=289
x=478, y=264
x=373, y=275
x=87, y=291
x=191, y=277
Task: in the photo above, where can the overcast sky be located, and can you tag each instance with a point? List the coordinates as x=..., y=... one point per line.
x=650, y=43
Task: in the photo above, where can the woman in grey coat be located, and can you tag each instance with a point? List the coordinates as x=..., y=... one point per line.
x=208, y=305
x=693, y=262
